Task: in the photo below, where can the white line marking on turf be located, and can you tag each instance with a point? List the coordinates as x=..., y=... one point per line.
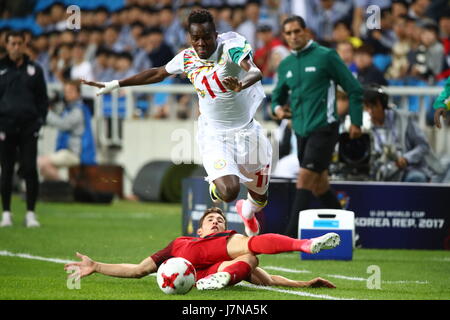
x=286, y=269
x=29, y=256
x=297, y=293
x=338, y=276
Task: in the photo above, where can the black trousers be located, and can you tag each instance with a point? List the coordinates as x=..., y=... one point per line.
x=19, y=144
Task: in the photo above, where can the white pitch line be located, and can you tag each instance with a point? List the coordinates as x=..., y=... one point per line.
x=339, y=276
x=29, y=256
x=286, y=269
x=298, y=293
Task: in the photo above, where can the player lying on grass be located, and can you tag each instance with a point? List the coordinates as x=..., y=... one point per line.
x=221, y=257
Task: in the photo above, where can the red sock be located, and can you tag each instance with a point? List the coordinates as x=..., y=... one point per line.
x=271, y=243
x=239, y=271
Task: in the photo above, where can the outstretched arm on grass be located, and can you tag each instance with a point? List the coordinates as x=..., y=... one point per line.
x=260, y=277
x=87, y=266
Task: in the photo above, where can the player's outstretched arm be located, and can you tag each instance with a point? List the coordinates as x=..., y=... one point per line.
x=261, y=277
x=87, y=266
x=152, y=75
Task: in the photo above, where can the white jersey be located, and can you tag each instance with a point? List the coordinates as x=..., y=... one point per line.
x=220, y=108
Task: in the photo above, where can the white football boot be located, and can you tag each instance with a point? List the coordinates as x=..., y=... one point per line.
x=6, y=219
x=214, y=281
x=327, y=241
x=31, y=220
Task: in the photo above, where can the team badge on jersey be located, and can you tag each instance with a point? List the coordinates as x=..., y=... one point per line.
x=31, y=70
x=220, y=164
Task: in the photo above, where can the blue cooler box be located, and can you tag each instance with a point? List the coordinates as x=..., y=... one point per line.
x=316, y=222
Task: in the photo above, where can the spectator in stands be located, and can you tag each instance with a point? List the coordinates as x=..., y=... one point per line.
x=58, y=16
x=123, y=66
x=174, y=33
x=125, y=40
x=427, y=60
x=44, y=20
x=270, y=54
x=323, y=14
x=61, y=63
x=100, y=70
x=367, y=72
x=159, y=51
x=111, y=38
x=67, y=36
x=418, y=10
x=238, y=16
x=399, y=8
x=248, y=27
x=225, y=16
x=53, y=42
x=149, y=17
x=101, y=16
x=347, y=53
x=40, y=42
x=397, y=71
x=95, y=41
x=343, y=33
x=87, y=18
x=141, y=60
x=222, y=26
x=81, y=68
x=74, y=144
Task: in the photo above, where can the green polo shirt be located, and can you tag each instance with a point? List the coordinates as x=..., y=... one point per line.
x=310, y=77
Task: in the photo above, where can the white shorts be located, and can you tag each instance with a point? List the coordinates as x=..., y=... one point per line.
x=64, y=158
x=244, y=152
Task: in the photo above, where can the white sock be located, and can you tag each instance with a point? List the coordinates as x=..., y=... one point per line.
x=30, y=213
x=6, y=213
x=249, y=209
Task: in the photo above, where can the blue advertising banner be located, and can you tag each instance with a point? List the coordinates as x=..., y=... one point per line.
x=387, y=215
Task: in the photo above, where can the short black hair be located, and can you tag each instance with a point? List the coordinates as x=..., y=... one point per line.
x=201, y=16
x=294, y=18
x=365, y=48
x=15, y=33
x=125, y=55
x=373, y=93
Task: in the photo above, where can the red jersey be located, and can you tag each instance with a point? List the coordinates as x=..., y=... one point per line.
x=201, y=252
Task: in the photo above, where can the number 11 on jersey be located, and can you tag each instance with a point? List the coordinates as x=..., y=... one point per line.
x=208, y=87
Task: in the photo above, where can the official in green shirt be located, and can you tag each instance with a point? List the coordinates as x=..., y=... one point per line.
x=309, y=77
x=442, y=104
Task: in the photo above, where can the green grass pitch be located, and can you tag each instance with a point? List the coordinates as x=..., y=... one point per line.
x=128, y=232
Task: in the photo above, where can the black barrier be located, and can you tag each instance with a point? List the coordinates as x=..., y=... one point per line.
x=161, y=180
x=387, y=215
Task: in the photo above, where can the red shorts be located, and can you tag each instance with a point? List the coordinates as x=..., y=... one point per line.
x=202, y=273
x=203, y=252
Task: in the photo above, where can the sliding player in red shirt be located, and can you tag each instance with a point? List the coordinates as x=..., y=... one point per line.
x=221, y=257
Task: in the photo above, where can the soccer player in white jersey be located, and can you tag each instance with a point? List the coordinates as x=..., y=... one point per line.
x=234, y=150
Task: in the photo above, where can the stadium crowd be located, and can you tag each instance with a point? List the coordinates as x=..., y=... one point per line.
x=410, y=46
